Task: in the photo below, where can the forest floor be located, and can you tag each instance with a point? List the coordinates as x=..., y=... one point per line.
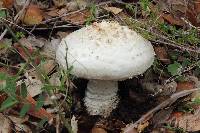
x=36, y=96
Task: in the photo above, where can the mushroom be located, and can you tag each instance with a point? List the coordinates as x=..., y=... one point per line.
x=104, y=53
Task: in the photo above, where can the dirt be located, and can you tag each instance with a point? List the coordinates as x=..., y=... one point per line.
x=128, y=110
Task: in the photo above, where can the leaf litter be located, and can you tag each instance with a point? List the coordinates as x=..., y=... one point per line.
x=145, y=99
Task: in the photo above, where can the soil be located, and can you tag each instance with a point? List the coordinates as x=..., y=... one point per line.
x=128, y=110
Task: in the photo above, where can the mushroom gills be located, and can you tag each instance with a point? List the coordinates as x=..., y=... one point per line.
x=101, y=97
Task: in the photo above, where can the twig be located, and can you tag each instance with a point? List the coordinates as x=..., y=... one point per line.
x=172, y=78
x=166, y=40
x=17, y=17
x=130, y=128
x=185, y=48
x=12, y=23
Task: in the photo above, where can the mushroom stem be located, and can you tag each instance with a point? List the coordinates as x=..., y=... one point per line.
x=101, y=97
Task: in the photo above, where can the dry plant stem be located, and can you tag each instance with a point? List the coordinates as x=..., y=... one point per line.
x=163, y=39
x=17, y=17
x=12, y=23
x=164, y=104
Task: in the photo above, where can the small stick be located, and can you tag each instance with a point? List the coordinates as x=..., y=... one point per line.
x=131, y=127
x=17, y=17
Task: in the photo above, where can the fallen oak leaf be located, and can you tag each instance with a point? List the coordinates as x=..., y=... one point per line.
x=162, y=54
x=8, y=3
x=6, y=124
x=185, y=85
x=24, y=55
x=114, y=10
x=33, y=15
x=78, y=18
x=41, y=113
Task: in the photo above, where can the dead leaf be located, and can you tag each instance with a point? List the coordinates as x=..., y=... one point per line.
x=180, y=12
x=160, y=117
x=74, y=124
x=190, y=83
x=33, y=15
x=114, y=10
x=142, y=126
x=72, y=6
x=185, y=85
x=8, y=3
x=59, y=3
x=48, y=66
x=49, y=49
x=36, y=42
x=53, y=12
x=78, y=18
x=55, y=79
x=63, y=34
x=162, y=54
x=18, y=122
x=41, y=113
x=6, y=124
x=189, y=122
x=5, y=44
x=98, y=130
x=164, y=90
x=132, y=130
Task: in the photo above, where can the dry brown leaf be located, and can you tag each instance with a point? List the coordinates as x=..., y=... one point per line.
x=78, y=18
x=189, y=122
x=180, y=12
x=164, y=90
x=185, y=85
x=50, y=48
x=59, y=3
x=162, y=54
x=72, y=6
x=33, y=86
x=63, y=34
x=36, y=42
x=18, y=122
x=53, y=12
x=41, y=113
x=48, y=66
x=114, y=10
x=8, y=3
x=98, y=130
x=142, y=126
x=33, y=15
x=191, y=83
x=6, y=124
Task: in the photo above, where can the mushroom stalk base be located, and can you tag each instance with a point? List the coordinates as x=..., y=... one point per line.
x=101, y=97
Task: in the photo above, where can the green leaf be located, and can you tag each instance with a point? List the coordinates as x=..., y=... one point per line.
x=40, y=102
x=3, y=13
x=186, y=62
x=3, y=76
x=41, y=123
x=24, y=110
x=196, y=101
x=174, y=69
x=23, y=90
x=9, y=102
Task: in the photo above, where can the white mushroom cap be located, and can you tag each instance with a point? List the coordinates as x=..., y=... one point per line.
x=106, y=51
